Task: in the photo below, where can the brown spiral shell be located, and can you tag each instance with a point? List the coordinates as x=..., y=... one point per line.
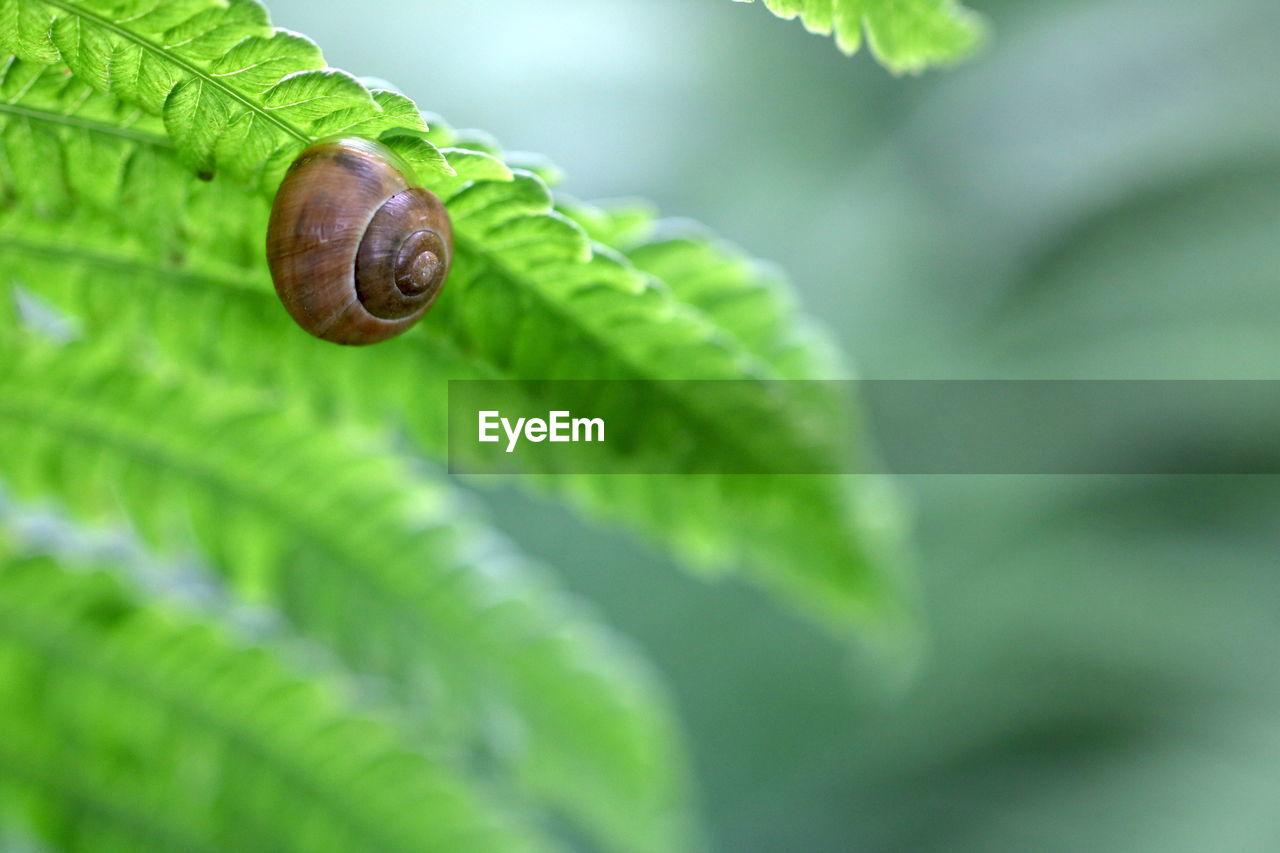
x=357, y=252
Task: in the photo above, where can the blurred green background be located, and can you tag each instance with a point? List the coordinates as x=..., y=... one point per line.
x=1098, y=195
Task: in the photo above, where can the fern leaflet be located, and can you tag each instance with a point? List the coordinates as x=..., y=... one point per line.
x=906, y=36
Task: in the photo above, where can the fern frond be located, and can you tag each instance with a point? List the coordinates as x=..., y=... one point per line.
x=906, y=36
x=210, y=317
x=530, y=298
x=132, y=726
x=472, y=646
x=214, y=316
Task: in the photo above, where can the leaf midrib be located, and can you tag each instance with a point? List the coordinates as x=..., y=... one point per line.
x=92, y=125
x=56, y=251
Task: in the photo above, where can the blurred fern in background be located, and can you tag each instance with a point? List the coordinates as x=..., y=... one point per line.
x=905, y=35
x=1094, y=196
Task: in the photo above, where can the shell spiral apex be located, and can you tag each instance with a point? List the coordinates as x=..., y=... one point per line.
x=357, y=252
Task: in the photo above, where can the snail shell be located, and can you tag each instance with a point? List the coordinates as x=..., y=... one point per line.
x=357, y=252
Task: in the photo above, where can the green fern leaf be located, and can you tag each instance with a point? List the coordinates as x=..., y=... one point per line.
x=906, y=36
x=478, y=334
x=473, y=647
x=129, y=725
x=530, y=298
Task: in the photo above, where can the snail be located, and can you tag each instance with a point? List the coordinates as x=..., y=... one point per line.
x=357, y=252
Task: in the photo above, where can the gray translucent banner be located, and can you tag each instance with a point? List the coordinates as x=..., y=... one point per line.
x=896, y=426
